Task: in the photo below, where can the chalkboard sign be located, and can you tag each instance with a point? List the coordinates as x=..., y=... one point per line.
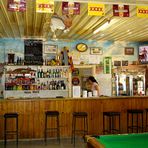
x=33, y=54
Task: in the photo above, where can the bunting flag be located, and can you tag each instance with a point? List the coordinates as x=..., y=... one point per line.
x=96, y=9
x=16, y=5
x=121, y=10
x=142, y=11
x=70, y=8
x=45, y=6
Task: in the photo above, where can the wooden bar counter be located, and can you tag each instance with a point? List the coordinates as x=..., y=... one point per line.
x=32, y=113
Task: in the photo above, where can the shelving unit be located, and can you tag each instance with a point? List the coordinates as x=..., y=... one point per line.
x=37, y=81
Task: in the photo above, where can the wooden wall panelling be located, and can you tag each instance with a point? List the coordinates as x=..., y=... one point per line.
x=32, y=113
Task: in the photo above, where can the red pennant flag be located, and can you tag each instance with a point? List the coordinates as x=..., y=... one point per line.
x=70, y=8
x=16, y=5
x=121, y=10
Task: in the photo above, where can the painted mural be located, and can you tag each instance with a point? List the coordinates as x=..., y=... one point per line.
x=115, y=49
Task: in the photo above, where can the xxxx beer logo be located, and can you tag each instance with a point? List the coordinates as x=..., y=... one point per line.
x=45, y=6
x=142, y=11
x=96, y=9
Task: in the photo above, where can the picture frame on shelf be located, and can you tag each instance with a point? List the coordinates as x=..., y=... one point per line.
x=96, y=50
x=129, y=50
x=48, y=48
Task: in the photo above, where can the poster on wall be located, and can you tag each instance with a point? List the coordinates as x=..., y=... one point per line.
x=107, y=65
x=16, y=5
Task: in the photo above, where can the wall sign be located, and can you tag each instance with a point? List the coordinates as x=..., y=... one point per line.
x=96, y=50
x=129, y=50
x=75, y=81
x=50, y=48
x=33, y=54
x=107, y=65
x=81, y=47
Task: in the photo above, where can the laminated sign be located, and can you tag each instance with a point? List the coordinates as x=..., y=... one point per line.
x=121, y=10
x=142, y=11
x=45, y=6
x=70, y=8
x=16, y=5
x=96, y=9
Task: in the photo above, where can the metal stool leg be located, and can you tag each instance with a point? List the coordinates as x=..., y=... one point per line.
x=5, y=135
x=119, y=125
x=72, y=130
x=58, y=129
x=17, y=131
x=142, y=122
x=103, y=124
x=45, y=132
x=137, y=123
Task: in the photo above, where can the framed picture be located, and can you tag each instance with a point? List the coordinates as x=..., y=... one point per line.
x=129, y=51
x=117, y=63
x=50, y=48
x=96, y=50
x=124, y=63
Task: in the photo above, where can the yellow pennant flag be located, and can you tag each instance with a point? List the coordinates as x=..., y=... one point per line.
x=45, y=6
x=142, y=11
x=96, y=9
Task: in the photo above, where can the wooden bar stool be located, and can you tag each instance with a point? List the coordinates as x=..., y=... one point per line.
x=109, y=122
x=134, y=118
x=52, y=114
x=13, y=131
x=82, y=116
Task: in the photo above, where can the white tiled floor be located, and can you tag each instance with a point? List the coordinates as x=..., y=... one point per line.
x=51, y=143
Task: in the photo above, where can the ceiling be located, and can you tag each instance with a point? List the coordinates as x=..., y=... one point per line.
x=30, y=24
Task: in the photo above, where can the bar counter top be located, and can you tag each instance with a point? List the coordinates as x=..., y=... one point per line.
x=70, y=98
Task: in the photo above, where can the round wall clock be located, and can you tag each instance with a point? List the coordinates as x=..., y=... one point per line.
x=81, y=47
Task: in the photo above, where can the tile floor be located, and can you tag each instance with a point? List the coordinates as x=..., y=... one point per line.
x=51, y=143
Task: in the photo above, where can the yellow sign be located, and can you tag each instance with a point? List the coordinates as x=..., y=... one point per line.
x=45, y=6
x=142, y=11
x=96, y=9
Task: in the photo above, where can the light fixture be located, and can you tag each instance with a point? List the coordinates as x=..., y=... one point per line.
x=104, y=26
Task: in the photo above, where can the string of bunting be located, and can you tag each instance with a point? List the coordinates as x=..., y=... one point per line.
x=94, y=9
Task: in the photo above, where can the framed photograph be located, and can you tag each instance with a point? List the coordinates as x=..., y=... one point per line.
x=129, y=51
x=96, y=50
x=48, y=48
x=117, y=63
x=124, y=63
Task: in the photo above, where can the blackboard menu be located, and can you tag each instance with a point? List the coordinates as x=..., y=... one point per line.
x=33, y=54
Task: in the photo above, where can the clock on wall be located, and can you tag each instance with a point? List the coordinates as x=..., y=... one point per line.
x=81, y=47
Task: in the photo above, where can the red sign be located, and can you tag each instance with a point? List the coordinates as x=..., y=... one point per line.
x=16, y=5
x=121, y=10
x=70, y=8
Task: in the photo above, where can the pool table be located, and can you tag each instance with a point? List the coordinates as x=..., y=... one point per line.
x=139, y=140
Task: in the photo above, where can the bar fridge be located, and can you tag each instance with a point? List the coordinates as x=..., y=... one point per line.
x=128, y=83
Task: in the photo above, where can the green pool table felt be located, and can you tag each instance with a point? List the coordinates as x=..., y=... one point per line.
x=124, y=140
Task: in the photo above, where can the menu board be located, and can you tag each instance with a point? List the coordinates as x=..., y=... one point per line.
x=33, y=54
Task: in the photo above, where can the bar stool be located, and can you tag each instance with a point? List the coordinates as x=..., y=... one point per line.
x=133, y=118
x=82, y=116
x=109, y=122
x=10, y=132
x=52, y=115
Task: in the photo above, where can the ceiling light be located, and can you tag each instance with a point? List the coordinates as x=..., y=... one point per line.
x=102, y=34
x=104, y=26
